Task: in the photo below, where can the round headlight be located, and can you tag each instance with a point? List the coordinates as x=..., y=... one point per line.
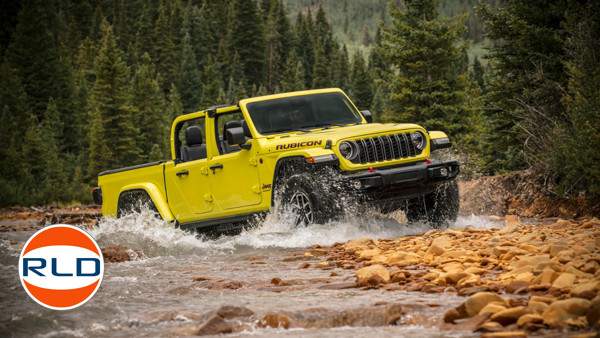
x=348, y=150
x=418, y=140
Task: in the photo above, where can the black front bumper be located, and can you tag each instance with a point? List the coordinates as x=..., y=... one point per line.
x=404, y=182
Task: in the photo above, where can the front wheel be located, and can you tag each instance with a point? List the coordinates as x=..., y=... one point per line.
x=301, y=198
x=439, y=208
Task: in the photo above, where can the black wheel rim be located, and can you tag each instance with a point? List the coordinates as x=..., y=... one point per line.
x=302, y=208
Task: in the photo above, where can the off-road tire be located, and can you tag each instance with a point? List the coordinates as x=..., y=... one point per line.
x=133, y=201
x=304, y=199
x=439, y=208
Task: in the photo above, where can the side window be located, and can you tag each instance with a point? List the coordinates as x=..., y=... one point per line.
x=192, y=140
x=222, y=123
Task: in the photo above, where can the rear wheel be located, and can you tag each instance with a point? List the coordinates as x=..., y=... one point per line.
x=439, y=208
x=134, y=201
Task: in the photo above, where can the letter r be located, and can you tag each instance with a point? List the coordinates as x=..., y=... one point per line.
x=26, y=266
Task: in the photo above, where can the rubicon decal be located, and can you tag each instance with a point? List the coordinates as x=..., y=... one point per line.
x=298, y=145
x=61, y=267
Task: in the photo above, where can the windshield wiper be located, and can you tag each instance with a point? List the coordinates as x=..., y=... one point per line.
x=325, y=125
x=289, y=129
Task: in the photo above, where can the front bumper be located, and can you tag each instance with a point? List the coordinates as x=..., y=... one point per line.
x=404, y=182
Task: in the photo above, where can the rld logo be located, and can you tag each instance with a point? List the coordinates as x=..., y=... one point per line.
x=61, y=267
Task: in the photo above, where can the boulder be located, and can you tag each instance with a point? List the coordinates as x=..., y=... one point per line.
x=587, y=290
x=478, y=301
x=275, y=320
x=119, y=254
x=562, y=310
x=529, y=318
x=510, y=316
x=213, y=326
x=360, y=243
x=564, y=280
x=372, y=275
x=401, y=258
x=229, y=311
x=593, y=313
x=492, y=308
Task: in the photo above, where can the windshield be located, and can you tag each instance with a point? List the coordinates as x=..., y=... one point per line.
x=299, y=113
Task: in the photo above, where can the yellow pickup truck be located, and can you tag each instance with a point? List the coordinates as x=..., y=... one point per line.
x=308, y=153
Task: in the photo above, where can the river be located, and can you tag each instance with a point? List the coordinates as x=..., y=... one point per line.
x=184, y=278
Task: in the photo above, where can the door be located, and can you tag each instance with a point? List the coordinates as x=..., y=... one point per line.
x=234, y=180
x=187, y=182
x=188, y=189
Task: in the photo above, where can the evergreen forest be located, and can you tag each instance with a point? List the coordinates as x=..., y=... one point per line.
x=92, y=85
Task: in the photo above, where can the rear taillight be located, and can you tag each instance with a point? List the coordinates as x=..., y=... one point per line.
x=97, y=193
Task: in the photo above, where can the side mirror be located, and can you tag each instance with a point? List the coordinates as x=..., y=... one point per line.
x=367, y=115
x=235, y=136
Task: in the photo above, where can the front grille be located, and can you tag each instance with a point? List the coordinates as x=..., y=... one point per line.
x=385, y=148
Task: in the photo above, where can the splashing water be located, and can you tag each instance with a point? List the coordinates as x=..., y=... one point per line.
x=159, y=238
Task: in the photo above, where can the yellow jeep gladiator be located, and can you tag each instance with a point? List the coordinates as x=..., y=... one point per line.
x=310, y=153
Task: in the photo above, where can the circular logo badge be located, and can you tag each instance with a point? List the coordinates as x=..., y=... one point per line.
x=61, y=267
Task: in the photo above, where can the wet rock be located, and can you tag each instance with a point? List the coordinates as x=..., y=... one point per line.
x=492, y=308
x=118, y=254
x=372, y=275
x=229, y=311
x=304, y=266
x=593, y=313
x=562, y=310
x=275, y=320
x=402, y=258
x=338, y=286
x=538, y=306
x=476, y=302
x=564, y=280
x=468, y=325
x=516, y=285
x=360, y=243
x=214, y=325
x=510, y=316
x=506, y=334
x=225, y=284
x=201, y=278
x=529, y=318
x=490, y=327
x=473, y=290
x=587, y=290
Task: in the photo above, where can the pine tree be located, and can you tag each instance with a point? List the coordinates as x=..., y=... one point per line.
x=321, y=76
x=190, y=83
x=167, y=60
x=144, y=37
x=247, y=38
x=526, y=80
x=210, y=86
x=425, y=50
x=53, y=179
x=305, y=49
x=293, y=77
x=361, y=90
x=341, y=70
x=113, y=134
x=147, y=99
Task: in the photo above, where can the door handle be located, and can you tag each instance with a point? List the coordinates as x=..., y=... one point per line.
x=215, y=167
x=183, y=172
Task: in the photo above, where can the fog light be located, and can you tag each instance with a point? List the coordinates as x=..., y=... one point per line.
x=357, y=184
x=444, y=171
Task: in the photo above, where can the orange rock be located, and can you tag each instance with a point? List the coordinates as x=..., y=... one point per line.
x=372, y=275
x=529, y=318
x=559, y=311
x=275, y=320
x=478, y=301
x=509, y=316
x=564, y=280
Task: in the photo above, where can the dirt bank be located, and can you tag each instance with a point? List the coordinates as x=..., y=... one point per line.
x=522, y=193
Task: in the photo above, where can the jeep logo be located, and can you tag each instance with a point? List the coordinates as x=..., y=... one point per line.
x=298, y=145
